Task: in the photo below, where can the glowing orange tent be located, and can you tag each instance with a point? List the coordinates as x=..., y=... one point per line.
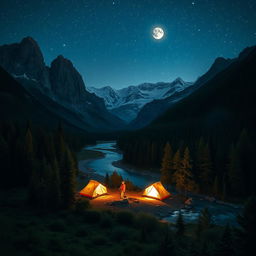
x=156, y=191
x=93, y=189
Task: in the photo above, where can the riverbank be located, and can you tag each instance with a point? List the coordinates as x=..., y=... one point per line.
x=110, y=160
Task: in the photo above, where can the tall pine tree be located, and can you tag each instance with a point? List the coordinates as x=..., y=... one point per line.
x=68, y=180
x=54, y=186
x=180, y=226
x=166, y=169
x=247, y=231
x=205, y=169
x=225, y=245
x=183, y=176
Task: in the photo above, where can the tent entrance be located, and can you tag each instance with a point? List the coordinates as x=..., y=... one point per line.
x=152, y=192
x=156, y=191
x=99, y=190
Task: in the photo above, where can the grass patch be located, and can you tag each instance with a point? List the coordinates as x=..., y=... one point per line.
x=92, y=232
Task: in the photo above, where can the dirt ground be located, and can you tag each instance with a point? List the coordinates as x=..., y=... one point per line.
x=136, y=203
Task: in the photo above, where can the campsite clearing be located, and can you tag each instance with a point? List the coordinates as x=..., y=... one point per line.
x=137, y=203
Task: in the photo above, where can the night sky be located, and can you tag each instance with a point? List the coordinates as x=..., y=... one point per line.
x=110, y=41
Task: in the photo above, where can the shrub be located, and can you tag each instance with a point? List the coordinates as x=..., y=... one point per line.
x=57, y=226
x=120, y=233
x=28, y=241
x=56, y=245
x=132, y=248
x=92, y=216
x=99, y=240
x=106, y=221
x=82, y=232
x=125, y=218
x=76, y=250
x=37, y=251
x=81, y=205
x=146, y=222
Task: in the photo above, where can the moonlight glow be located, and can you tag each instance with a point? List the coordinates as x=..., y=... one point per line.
x=158, y=33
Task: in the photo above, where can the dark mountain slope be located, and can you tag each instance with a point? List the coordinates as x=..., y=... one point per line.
x=17, y=104
x=61, y=83
x=228, y=97
x=218, y=111
x=155, y=108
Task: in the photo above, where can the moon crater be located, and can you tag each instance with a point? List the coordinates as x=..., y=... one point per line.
x=158, y=33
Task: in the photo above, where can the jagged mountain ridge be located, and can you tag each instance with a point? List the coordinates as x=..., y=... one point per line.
x=155, y=108
x=19, y=105
x=127, y=102
x=61, y=82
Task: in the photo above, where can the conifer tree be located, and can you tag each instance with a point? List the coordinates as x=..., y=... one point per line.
x=216, y=186
x=183, y=176
x=204, y=222
x=204, y=250
x=206, y=169
x=154, y=154
x=5, y=164
x=115, y=179
x=166, y=169
x=60, y=145
x=166, y=246
x=180, y=226
x=107, y=181
x=68, y=180
x=246, y=161
x=54, y=187
x=225, y=245
x=234, y=173
x=28, y=160
x=29, y=143
x=176, y=161
x=247, y=232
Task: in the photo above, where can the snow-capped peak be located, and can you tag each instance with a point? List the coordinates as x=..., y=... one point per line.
x=135, y=97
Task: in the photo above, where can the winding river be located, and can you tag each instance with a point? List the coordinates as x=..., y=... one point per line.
x=222, y=212
x=105, y=165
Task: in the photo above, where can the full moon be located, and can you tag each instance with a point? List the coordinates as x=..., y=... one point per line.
x=158, y=33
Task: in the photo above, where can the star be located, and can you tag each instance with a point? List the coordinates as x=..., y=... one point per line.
x=193, y=3
x=64, y=45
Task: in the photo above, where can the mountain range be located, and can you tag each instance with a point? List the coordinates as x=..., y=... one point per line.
x=222, y=104
x=127, y=102
x=59, y=90
x=60, y=83
x=140, y=105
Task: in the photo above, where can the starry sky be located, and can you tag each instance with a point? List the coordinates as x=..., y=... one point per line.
x=110, y=41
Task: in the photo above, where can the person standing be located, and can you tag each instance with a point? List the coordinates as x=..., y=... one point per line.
x=122, y=190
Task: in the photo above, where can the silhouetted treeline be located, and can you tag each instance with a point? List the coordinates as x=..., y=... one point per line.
x=213, y=165
x=41, y=160
x=114, y=181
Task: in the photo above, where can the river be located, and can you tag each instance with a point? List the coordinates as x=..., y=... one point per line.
x=222, y=212
x=105, y=165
